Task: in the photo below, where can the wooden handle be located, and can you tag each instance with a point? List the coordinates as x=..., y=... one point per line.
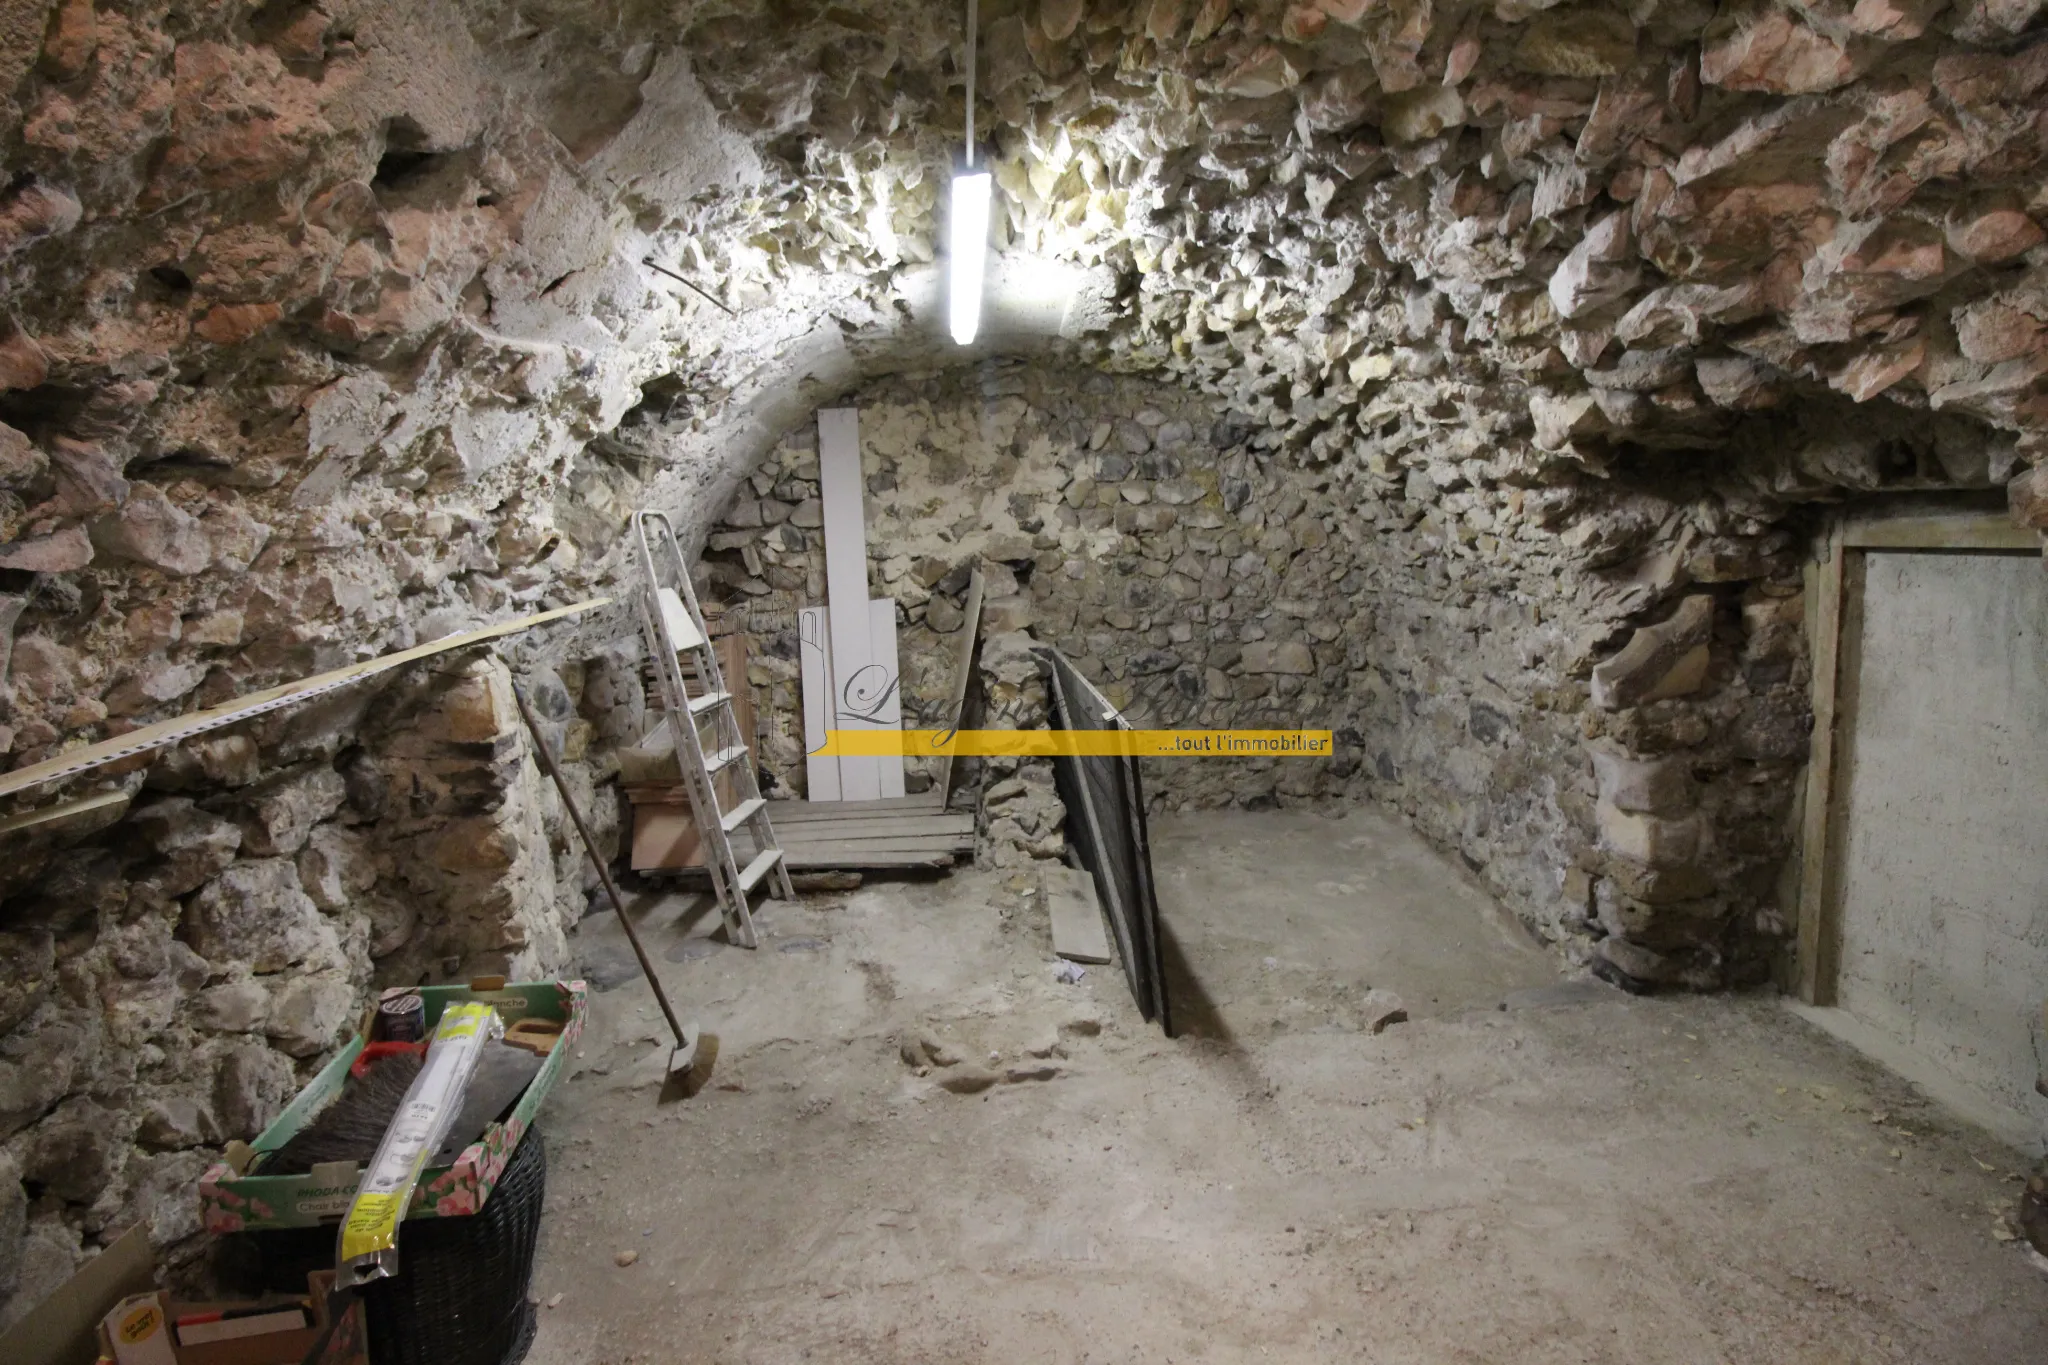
x=547, y=760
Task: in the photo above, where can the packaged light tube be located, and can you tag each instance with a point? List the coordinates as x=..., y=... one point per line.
x=369, y=1233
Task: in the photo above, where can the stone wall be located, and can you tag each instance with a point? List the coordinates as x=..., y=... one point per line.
x=1121, y=519
x=1474, y=649
x=330, y=330
x=168, y=982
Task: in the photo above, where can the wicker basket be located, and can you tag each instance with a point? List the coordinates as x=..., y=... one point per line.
x=459, y=1297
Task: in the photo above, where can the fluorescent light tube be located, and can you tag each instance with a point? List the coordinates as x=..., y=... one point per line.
x=969, y=262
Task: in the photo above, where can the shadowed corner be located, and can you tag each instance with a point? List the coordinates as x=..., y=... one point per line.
x=1196, y=1015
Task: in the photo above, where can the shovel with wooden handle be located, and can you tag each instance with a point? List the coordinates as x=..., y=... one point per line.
x=684, y=1055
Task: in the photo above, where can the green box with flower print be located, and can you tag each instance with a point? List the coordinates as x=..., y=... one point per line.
x=232, y=1201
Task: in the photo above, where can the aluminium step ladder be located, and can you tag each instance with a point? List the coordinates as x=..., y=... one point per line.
x=705, y=729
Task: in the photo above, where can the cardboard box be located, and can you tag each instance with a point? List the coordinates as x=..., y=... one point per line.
x=64, y=1328
x=348, y=1344
x=232, y=1200
x=70, y=1326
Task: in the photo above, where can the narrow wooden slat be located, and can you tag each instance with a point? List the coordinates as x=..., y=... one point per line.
x=880, y=845
x=165, y=732
x=1939, y=531
x=1816, y=975
x=61, y=811
x=838, y=810
x=824, y=857
x=872, y=826
x=849, y=620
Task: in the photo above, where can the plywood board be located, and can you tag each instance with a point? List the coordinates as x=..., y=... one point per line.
x=665, y=833
x=870, y=699
x=167, y=732
x=849, y=621
x=875, y=826
x=843, y=506
x=814, y=649
x=1111, y=837
x=888, y=713
x=886, y=832
x=905, y=844
x=859, y=858
x=1078, y=932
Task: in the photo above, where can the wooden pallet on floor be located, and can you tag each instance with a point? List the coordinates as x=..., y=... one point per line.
x=898, y=832
x=924, y=803
x=817, y=836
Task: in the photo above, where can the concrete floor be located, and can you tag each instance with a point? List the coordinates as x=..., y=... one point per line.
x=1530, y=1170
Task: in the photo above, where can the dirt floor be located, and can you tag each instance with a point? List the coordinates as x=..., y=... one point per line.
x=1529, y=1169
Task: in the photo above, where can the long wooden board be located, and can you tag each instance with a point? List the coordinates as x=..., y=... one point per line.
x=922, y=803
x=166, y=732
x=62, y=811
x=883, y=827
x=834, y=857
x=862, y=674
x=849, y=622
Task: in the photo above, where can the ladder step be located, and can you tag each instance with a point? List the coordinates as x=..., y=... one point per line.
x=740, y=814
x=724, y=758
x=752, y=873
x=699, y=705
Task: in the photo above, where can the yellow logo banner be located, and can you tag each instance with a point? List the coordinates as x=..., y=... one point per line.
x=1076, y=743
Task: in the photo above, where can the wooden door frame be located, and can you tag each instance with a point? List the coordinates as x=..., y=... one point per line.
x=1841, y=551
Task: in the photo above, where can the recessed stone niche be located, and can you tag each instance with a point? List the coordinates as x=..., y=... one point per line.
x=1627, y=788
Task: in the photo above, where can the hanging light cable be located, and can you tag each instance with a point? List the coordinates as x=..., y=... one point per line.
x=968, y=254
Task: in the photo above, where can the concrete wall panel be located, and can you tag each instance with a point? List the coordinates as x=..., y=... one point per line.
x=1944, y=918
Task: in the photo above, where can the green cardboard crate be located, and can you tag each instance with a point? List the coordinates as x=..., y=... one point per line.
x=231, y=1201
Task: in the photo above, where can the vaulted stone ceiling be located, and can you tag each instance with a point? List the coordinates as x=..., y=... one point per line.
x=331, y=326
x=356, y=293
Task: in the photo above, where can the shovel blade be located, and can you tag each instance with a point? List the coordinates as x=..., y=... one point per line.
x=684, y=1055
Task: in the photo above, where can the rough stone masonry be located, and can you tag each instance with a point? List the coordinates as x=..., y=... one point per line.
x=1536, y=332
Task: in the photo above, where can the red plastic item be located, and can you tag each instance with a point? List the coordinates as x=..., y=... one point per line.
x=377, y=1051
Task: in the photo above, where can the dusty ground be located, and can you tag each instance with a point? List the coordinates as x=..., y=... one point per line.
x=1579, y=1176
